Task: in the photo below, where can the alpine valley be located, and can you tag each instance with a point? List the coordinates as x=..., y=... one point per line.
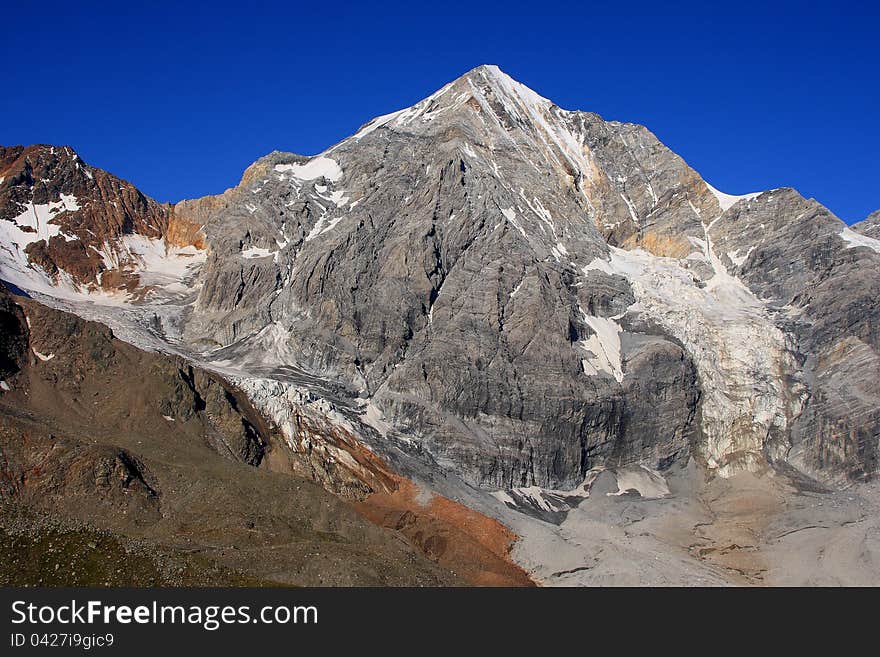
x=484, y=340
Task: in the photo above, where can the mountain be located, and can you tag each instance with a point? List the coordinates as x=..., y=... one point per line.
x=492, y=294
x=469, y=265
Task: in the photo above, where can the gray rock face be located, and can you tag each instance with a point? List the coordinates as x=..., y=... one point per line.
x=822, y=283
x=529, y=293
x=870, y=226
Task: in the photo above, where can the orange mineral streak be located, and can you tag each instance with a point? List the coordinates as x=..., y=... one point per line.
x=182, y=231
x=665, y=246
x=470, y=544
x=474, y=546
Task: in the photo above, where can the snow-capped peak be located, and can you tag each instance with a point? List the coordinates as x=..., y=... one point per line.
x=502, y=82
x=482, y=81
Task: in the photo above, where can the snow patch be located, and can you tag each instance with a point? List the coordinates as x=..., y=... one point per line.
x=559, y=251
x=727, y=201
x=738, y=259
x=373, y=417
x=337, y=198
x=34, y=225
x=510, y=215
x=378, y=122
x=70, y=202
x=855, y=239
x=161, y=265
x=599, y=264
x=318, y=167
x=323, y=225
x=516, y=289
x=648, y=483
x=604, y=345
x=256, y=252
x=548, y=499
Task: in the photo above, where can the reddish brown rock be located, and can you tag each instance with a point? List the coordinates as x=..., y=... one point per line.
x=109, y=208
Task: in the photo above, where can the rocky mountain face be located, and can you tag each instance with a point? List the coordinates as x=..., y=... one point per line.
x=177, y=466
x=67, y=226
x=513, y=292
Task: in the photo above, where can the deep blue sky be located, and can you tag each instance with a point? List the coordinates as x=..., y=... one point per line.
x=180, y=100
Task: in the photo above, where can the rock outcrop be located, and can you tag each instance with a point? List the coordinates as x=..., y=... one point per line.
x=869, y=227
x=66, y=224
